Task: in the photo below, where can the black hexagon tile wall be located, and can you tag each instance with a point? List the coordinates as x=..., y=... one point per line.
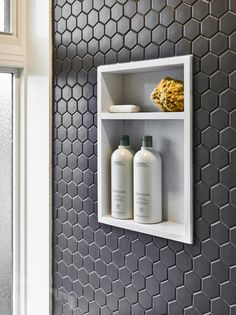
x=98, y=269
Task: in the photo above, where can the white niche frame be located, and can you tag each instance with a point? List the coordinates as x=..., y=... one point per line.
x=132, y=83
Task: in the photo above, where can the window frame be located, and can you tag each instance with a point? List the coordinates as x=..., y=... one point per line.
x=13, y=45
x=32, y=99
x=15, y=185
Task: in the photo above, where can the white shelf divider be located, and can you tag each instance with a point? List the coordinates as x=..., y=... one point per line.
x=132, y=83
x=143, y=116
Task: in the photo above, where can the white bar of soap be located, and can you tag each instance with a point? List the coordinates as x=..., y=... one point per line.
x=129, y=108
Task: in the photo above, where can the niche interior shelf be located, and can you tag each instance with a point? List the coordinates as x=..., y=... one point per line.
x=142, y=116
x=132, y=83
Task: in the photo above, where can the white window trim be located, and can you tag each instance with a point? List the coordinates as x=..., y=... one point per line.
x=28, y=49
x=13, y=46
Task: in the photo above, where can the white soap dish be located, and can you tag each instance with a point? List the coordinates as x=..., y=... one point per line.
x=127, y=108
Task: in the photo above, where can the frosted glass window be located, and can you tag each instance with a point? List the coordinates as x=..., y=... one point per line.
x=6, y=256
x=5, y=16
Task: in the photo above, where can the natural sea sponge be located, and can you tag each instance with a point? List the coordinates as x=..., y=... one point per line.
x=169, y=95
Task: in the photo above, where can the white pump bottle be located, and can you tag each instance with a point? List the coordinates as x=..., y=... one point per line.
x=122, y=180
x=147, y=184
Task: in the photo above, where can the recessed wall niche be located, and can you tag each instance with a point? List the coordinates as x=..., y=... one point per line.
x=132, y=83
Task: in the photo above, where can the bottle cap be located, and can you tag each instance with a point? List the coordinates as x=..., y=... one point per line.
x=147, y=141
x=124, y=140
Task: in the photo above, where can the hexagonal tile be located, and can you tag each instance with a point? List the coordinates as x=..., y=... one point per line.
x=106, y=284
x=167, y=49
x=118, y=289
x=112, y=302
x=228, y=215
x=160, y=271
x=131, y=294
x=192, y=281
x=159, y=34
x=152, y=286
x=167, y=257
x=220, y=233
x=130, y=9
x=202, y=156
x=183, y=13
x=210, y=175
x=145, y=299
x=106, y=254
x=130, y=39
x=227, y=23
x=183, y=46
x=87, y=6
x=209, y=100
x=110, y=28
x=200, y=10
x=66, y=120
x=219, y=271
x=210, y=137
x=219, y=157
x=227, y=137
x=167, y=291
x=209, y=64
x=202, y=119
x=219, y=119
x=183, y=297
x=93, y=18
x=144, y=37
x=227, y=60
x=191, y=29
x=209, y=26
x=228, y=254
x=125, y=276
x=201, y=302
x=137, y=309
x=123, y=25
x=219, y=81
x=117, y=42
x=201, y=266
x=202, y=192
x=218, y=44
x=228, y=292
x=167, y=16
x=124, y=306
x=98, y=30
x=175, y=32
x=144, y=7
x=220, y=195
x=219, y=306
x=200, y=46
x=116, y=11
x=183, y=261
x=160, y=305
x=151, y=19
x=228, y=177
x=211, y=287
x=175, y=275
x=137, y=22
x=145, y=266
x=210, y=250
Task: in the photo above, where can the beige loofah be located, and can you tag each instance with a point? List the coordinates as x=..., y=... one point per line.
x=169, y=95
